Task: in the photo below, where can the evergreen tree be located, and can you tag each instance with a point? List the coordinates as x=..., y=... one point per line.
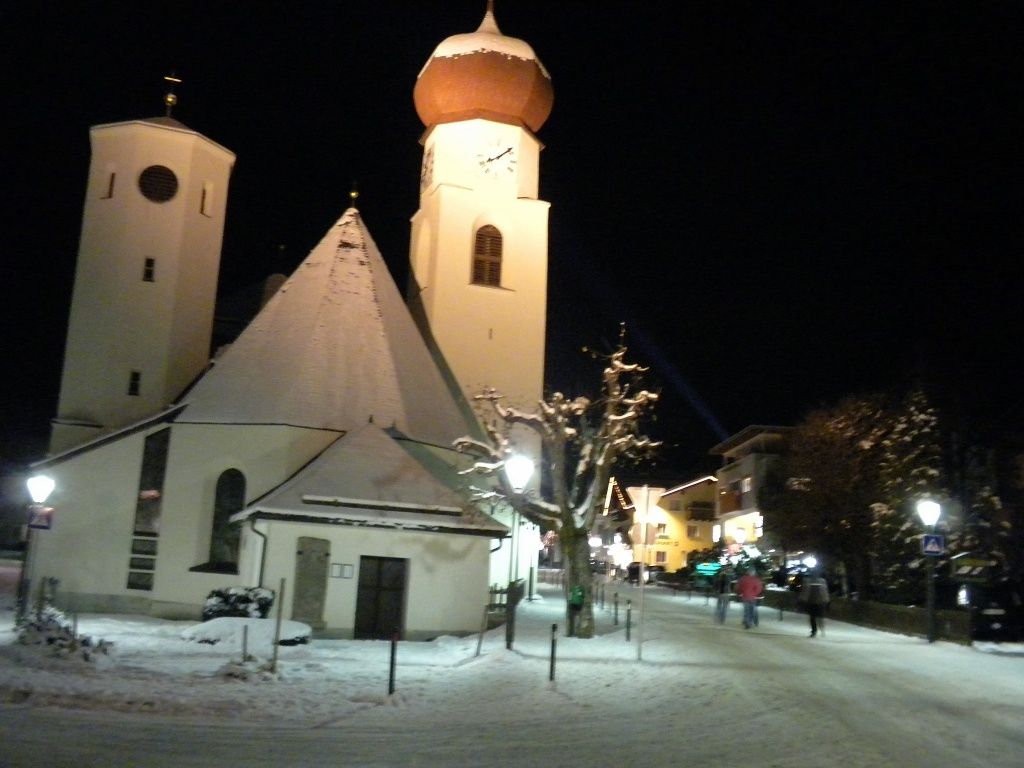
x=910, y=469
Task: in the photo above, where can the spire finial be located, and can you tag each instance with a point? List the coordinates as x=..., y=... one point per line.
x=489, y=24
x=170, y=99
x=353, y=194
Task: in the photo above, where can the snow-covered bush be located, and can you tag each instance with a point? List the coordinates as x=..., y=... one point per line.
x=52, y=631
x=241, y=602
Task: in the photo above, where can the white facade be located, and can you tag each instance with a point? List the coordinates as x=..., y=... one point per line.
x=489, y=335
x=146, y=280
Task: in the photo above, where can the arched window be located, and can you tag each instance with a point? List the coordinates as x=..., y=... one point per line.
x=487, y=256
x=229, y=498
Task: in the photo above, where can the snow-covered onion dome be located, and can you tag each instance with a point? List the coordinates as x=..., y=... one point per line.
x=484, y=74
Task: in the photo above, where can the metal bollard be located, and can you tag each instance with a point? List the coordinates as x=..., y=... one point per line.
x=629, y=617
x=615, y=604
x=391, y=666
x=554, y=636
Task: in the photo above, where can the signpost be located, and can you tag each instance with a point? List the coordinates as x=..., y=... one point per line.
x=933, y=544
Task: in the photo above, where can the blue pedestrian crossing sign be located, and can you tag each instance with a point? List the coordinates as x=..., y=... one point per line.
x=933, y=544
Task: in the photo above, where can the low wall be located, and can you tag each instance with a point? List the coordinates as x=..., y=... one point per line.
x=949, y=625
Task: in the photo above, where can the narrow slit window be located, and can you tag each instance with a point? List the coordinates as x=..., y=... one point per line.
x=134, y=383
x=206, y=200
x=487, y=256
x=149, y=270
x=109, y=193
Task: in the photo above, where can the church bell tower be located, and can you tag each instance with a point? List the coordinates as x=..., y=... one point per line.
x=478, y=251
x=146, y=276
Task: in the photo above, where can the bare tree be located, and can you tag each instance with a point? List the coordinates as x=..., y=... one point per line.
x=581, y=440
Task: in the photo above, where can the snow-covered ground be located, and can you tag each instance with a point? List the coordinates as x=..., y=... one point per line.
x=703, y=693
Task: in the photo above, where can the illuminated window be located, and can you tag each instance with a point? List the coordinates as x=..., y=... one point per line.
x=660, y=557
x=134, y=383
x=748, y=484
x=487, y=256
x=149, y=270
x=692, y=532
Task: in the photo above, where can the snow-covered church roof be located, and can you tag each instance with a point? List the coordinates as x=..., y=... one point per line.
x=334, y=349
x=368, y=478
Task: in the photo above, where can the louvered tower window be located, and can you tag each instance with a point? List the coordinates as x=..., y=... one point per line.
x=487, y=256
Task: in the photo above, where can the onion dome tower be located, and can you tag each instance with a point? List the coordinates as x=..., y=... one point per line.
x=487, y=75
x=479, y=245
x=478, y=282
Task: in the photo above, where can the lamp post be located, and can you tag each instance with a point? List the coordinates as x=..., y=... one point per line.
x=39, y=489
x=518, y=470
x=929, y=512
x=645, y=493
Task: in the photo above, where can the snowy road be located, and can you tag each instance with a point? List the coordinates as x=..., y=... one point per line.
x=703, y=694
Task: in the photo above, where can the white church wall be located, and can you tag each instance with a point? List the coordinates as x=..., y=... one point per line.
x=266, y=455
x=505, y=347
x=89, y=545
x=447, y=574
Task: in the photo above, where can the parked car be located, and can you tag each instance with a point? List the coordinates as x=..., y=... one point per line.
x=651, y=573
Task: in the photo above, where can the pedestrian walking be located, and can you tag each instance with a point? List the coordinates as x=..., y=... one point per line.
x=749, y=588
x=814, y=598
x=723, y=591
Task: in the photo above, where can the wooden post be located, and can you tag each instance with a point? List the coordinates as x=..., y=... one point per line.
x=483, y=628
x=277, y=628
x=391, y=666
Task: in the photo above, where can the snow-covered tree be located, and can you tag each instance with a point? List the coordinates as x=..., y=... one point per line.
x=821, y=492
x=581, y=440
x=910, y=469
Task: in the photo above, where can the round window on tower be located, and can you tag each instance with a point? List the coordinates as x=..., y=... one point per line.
x=158, y=183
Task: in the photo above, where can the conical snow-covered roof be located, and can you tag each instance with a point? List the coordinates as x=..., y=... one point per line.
x=334, y=349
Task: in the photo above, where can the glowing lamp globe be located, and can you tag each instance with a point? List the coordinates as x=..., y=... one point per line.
x=39, y=488
x=928, y=511
x=519, y=470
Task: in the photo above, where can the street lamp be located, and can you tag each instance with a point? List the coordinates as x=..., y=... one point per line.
x=518, y=470
x=643, y=515
x=929, y=512
x=39, y=489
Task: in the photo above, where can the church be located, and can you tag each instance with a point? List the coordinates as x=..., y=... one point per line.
x=315, y=451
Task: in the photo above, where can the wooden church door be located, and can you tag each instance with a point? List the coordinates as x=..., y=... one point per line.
x=312, y=562
x=380, y=605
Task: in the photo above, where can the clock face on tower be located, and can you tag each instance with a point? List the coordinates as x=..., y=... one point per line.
x=497, y=158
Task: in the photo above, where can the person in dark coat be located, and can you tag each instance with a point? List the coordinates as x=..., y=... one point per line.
x=814, y=598
x=723, y=592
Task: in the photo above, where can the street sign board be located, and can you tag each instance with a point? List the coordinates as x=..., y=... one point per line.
x=973, y=569
x=933, y=544
x=708, y=569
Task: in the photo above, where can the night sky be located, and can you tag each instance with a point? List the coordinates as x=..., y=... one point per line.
x=784, y=202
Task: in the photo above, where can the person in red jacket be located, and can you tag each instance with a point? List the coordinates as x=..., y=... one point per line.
x=749, y=588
